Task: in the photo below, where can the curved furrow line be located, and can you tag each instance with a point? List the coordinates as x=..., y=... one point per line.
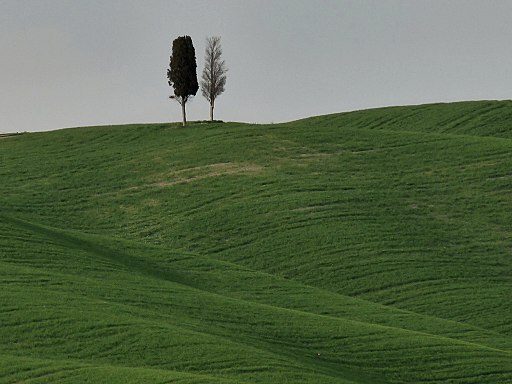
x=71, y=370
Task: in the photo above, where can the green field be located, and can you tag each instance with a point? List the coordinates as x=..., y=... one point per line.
x=364, y=247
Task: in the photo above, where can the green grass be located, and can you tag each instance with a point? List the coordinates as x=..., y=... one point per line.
x=365, y=247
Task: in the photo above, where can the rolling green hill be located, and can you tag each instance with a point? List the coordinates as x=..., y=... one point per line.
x=364, y=247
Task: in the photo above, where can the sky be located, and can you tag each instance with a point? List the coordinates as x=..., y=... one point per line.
x=69, y=63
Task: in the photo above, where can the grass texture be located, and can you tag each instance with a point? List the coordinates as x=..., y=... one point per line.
x=364, y=247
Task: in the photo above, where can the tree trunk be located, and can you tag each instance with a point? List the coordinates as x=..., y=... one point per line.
x=211, y=112
x=184, y=113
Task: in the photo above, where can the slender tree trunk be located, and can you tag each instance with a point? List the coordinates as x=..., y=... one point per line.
x=211, y=112
x=184, y=113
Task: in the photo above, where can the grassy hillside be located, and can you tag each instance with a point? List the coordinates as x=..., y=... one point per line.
x=365, y=247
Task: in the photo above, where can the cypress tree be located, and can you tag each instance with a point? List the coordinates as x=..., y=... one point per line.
x=182, y=72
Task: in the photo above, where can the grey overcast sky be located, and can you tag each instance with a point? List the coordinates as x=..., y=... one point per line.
x=66, y=63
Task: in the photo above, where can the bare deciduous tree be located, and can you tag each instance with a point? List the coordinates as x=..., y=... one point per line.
x=214, y=72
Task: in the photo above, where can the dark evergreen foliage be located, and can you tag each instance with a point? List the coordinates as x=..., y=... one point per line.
x=182, y=71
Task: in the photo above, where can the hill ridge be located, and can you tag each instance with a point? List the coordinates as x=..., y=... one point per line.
x=481, y=114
